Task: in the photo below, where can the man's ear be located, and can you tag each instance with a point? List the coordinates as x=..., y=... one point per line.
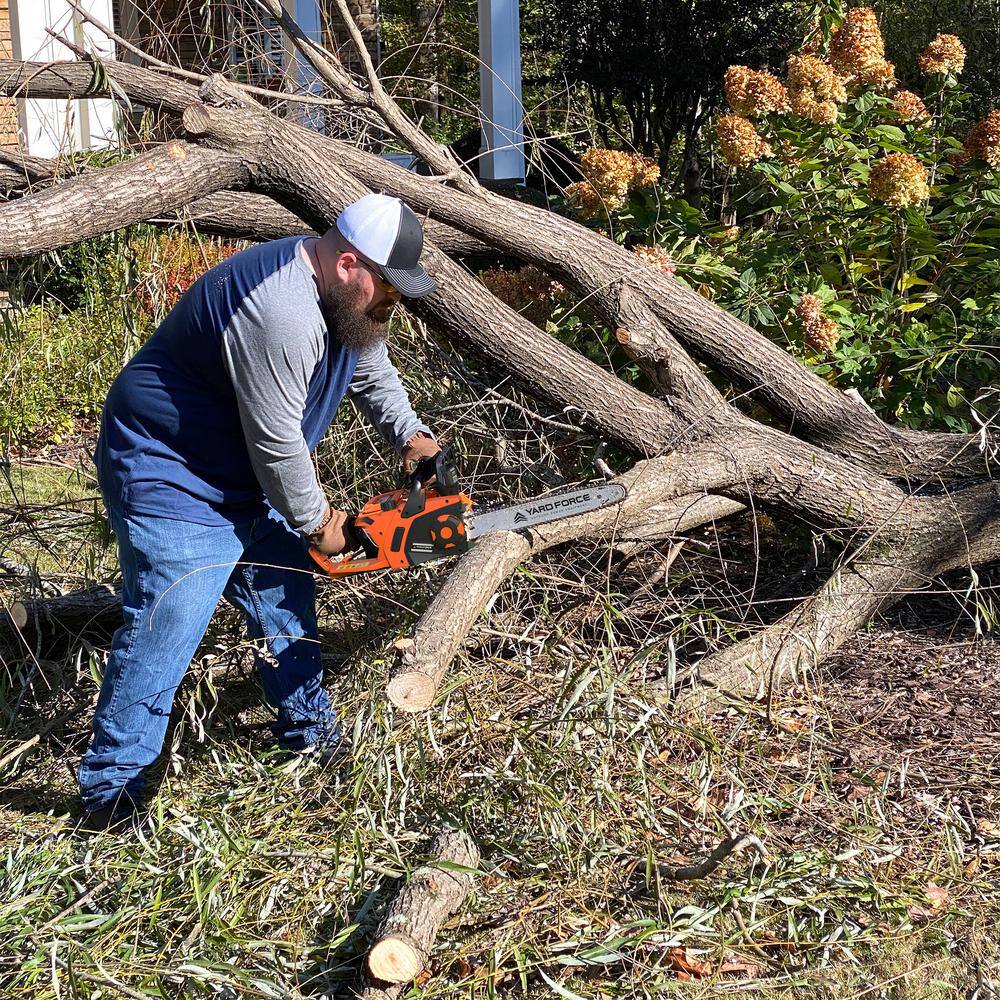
x=346, y=261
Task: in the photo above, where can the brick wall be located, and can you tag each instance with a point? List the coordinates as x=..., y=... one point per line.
x=8, y=107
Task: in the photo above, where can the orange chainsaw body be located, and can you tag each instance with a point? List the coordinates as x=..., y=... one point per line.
x=398, y=535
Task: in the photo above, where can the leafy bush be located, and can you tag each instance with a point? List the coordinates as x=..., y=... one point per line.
x=855, y=222
x=57, y=367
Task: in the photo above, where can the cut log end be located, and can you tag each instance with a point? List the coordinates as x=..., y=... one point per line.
x=412, y=691
x=395, y=960
x=18, y=615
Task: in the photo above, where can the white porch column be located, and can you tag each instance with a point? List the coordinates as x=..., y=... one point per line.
x=500, y=91
x=49, y=127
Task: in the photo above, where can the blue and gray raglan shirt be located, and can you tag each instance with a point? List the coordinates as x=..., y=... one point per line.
x=223, y=405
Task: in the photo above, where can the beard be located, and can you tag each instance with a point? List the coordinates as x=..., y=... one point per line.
x=354, y=329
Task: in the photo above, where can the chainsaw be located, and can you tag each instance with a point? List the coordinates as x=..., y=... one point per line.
x=432, y=519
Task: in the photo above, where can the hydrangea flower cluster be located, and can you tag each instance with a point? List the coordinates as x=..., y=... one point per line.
x=814, y=89
x=899, y=179
x=656, y=257
x=945, y=54
x=910, y=107
x=610, y=175
x=818, y=331
x=983, y=142
x=740, y=142
x=529, y=290
x=754, y=93
x=857, y=50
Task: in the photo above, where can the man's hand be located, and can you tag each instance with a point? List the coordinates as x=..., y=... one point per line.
x=419, y=446
x=335, y=533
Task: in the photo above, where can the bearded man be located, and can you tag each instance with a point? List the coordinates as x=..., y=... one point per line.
x=204, y=462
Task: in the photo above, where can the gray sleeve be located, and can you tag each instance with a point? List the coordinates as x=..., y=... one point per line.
x=379, y=394
x=270, y=358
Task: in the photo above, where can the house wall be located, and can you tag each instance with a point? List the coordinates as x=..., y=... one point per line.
x=51, y=127
x=8, y=107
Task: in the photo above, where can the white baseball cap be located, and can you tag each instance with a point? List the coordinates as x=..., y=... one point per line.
x=389, y=235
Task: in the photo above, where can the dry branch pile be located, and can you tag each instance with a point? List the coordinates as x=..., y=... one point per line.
x=821, y=458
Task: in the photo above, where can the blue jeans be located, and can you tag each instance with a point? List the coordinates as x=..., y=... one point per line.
x=173, y=574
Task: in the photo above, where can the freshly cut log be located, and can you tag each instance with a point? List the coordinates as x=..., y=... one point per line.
x=406, y=935
x=93, y=613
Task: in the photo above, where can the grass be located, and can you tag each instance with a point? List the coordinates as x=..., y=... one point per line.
x=257, y=876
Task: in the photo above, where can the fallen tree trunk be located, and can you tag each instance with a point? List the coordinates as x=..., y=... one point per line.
x=419, y=662
x=93, y=614
x=403, y=941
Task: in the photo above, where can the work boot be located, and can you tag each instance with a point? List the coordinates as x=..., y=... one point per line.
x=121, y=816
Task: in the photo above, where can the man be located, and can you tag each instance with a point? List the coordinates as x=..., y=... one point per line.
x=204, y=462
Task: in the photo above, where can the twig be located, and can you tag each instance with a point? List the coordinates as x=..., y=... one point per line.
x=732, y=845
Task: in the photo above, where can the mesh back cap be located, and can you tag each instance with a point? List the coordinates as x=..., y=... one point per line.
x=389, y=235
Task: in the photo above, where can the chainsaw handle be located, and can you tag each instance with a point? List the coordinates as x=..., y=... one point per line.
x=438, y=467
x=346, y=567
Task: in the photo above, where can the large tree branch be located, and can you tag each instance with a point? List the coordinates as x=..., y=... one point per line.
x=951, y=532
x=82, y=79
x=162, y=180
x=421, y=661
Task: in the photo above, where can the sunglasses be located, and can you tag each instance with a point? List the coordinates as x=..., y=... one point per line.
x=377, y=278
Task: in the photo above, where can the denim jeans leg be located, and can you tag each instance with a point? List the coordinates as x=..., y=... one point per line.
x=173, y=574
x=276, y=590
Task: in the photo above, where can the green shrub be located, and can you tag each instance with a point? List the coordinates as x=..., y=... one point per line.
x=57, y=367
x=854, y=223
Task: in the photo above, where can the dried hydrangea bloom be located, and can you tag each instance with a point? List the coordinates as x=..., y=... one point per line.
x=754, y=93
x=945, y=54
x=583, y=196
x=740, y=142
x=656, y=257
x=814, y=89
x=610, y=175
x=983, y=142
x=645, y=171
x=608, y=171
x=899, y=179
x=881, y=76
x=818, y=331
x=614, y=172
x=857, y=47
x=529, y=290
x=910, y=107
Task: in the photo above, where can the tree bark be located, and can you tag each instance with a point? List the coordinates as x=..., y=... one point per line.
x=93, y=613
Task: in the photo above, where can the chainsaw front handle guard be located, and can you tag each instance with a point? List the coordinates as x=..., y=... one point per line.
x=438, y=468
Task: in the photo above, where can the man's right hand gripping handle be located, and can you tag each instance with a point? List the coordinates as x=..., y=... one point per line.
x=335, y=533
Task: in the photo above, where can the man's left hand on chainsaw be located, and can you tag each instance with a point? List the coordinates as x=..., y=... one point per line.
x=419, y=446
x=335, y=533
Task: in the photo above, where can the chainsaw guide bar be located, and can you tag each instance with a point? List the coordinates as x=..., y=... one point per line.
x=581, y=500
